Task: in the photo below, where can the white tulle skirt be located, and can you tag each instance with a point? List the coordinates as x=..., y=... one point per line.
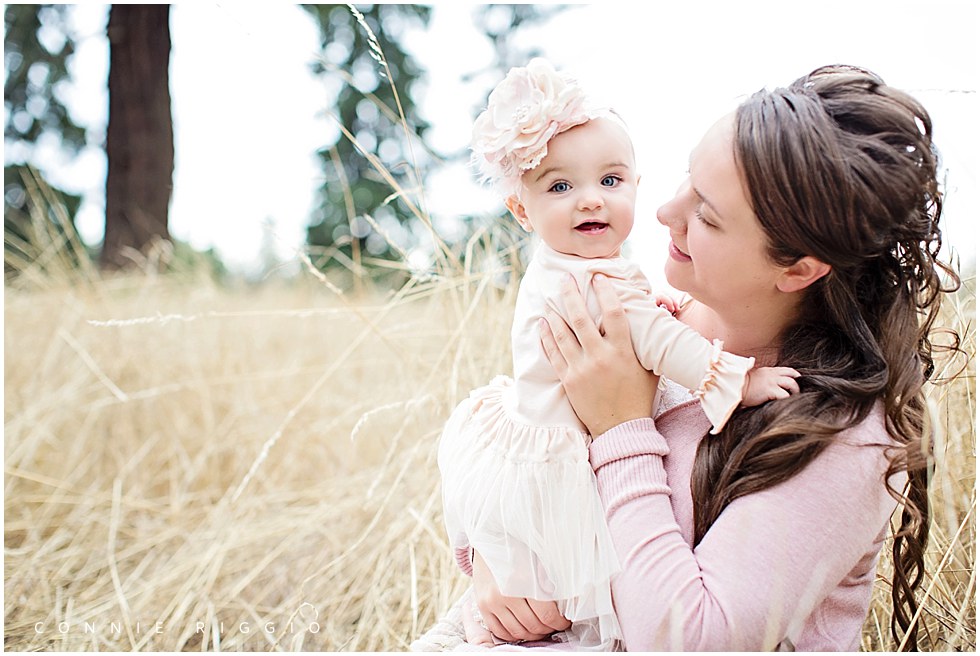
x=525, y=498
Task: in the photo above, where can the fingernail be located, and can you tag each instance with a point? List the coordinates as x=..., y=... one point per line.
x=599, y=276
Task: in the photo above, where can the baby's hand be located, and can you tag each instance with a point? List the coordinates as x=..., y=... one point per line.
x=769, y=383
x=666, y=302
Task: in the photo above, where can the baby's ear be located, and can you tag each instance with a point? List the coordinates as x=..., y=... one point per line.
x=519, y=212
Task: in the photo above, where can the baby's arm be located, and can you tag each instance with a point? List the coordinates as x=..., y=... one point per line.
x=721, y=380
x=769, y=383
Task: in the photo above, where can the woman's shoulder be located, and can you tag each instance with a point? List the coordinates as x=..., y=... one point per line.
x=870, y=431
x=867, y=446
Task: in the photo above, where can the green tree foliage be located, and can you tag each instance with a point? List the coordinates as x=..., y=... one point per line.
x=37, y=45
x=374, y=167
x=37, y=48
x=369, y=211
x=365, y=209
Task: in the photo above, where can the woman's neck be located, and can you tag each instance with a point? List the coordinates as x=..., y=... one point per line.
x=752, y=333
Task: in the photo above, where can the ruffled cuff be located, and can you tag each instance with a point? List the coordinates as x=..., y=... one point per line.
x=720, y=391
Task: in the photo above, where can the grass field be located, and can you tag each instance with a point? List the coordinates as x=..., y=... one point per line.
x=191, y=466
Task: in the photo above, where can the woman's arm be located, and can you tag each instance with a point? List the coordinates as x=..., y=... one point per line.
x=770, y=557
x=765, y=564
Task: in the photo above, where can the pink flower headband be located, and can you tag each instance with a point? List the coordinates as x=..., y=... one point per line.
x=526, y=110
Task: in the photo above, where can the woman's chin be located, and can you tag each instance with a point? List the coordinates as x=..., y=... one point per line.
x=675, y=279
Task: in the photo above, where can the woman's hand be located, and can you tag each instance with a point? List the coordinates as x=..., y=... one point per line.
x=603, y=379
x=508, y=618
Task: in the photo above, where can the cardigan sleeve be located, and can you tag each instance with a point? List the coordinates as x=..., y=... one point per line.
x=768, y=560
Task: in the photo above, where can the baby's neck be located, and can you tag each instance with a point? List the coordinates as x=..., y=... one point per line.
x=617, y=253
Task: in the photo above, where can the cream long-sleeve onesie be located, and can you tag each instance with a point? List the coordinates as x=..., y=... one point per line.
x=517, y=485
x=663, y=344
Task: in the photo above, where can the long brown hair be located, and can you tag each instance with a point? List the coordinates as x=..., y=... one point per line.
x=842, y=167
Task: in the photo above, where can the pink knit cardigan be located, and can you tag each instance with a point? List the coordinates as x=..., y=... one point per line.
x=791, y=567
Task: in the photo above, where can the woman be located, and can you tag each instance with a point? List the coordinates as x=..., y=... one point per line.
x=806, y=235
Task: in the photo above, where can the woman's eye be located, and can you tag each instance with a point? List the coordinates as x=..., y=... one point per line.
x=700, y=217
x=561, y=187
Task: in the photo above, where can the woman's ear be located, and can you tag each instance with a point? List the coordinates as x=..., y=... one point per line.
x=801, y=274
x=517, y=209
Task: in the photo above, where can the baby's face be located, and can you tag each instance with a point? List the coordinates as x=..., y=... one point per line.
x=582, y=197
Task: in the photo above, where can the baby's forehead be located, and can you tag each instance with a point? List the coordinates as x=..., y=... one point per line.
x=602, y=134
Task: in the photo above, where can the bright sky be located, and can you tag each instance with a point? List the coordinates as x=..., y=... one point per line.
x=248, y=115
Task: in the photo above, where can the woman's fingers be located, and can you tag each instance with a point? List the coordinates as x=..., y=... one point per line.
x=551, y=350
x=547, y=613
x=564, y=338
x=614, y=322
x=522, y=623
x=508, y=618
x=532, y=615
x=582, y=326
x=516, y=622
x=502, y=624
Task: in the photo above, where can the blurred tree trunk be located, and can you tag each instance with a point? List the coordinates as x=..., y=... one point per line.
x=139, y=138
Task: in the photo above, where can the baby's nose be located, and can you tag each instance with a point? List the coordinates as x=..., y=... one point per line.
x=590, y=200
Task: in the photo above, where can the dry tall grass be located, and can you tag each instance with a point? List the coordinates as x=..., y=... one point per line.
x=189, y=466
x=255, y=473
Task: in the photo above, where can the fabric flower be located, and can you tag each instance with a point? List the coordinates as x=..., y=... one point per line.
x=530, y=106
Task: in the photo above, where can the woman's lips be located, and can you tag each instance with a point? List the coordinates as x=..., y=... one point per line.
x=678, y=254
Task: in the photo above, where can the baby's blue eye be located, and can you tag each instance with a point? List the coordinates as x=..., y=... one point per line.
x=560, y=187
x=610, y=181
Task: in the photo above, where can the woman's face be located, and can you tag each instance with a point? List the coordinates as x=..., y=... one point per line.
x=717, y=252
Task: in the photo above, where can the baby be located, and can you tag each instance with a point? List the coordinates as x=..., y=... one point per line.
x=517, y=484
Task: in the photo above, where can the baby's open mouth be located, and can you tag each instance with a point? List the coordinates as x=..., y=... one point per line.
x=592, y=227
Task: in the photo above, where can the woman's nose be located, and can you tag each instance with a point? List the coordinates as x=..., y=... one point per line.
x=672, y=213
